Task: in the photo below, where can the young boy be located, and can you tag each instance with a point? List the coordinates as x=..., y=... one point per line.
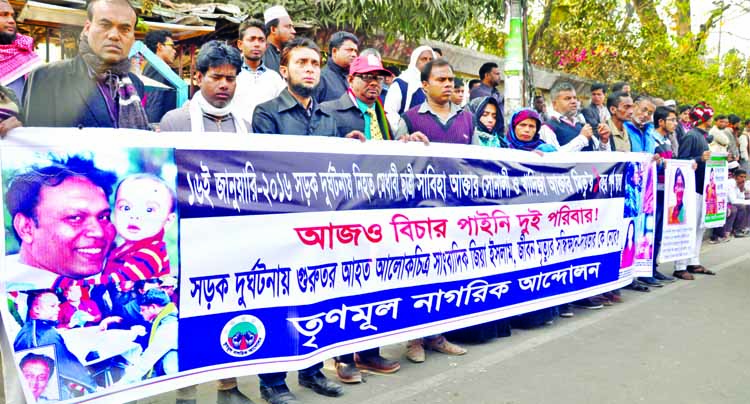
x=144, y=210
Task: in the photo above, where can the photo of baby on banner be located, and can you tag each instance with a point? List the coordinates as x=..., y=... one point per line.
x=91, y=259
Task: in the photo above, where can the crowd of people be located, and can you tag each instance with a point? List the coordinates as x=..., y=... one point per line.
x=272, y=82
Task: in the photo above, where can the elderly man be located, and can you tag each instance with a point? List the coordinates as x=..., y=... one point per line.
x=563, y=129
x=256, y=83
x=40, y=330
x=60, y=215
x=343, y=49
x=280, y=30
x=17, y=57
x=211, y=109
x=96, y=88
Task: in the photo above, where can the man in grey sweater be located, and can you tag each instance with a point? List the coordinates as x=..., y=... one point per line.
x=211, y=109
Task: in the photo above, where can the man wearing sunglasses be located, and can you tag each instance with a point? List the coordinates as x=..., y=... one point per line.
x=160, y=102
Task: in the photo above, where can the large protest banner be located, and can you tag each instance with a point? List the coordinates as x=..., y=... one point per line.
x=680, y=220
x=288, y=250
x=715, y=191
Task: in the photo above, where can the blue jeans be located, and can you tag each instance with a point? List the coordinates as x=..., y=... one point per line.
x=279, y=379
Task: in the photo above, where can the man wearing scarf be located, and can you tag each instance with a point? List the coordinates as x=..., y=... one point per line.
x=94, y=89
x=406, y=91
x=17, y=57
x=211, y=109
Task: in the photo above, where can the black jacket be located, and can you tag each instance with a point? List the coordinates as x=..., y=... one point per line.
x=333, y=82
x=64, y=94
x=159, y=102
x=692, y=146
x=591, y=115
x=348, y=116
x=283, y=115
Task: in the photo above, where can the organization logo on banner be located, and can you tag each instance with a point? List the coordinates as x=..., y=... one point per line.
x=243, y=335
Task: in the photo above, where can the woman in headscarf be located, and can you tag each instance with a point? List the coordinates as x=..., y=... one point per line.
x=406, y=91
x=485, y=111
x=523, y=133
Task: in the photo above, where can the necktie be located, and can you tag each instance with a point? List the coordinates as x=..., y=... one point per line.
x=375, y=133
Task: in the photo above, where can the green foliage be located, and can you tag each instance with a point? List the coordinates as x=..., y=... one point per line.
x=409, y=19
x=606, y=41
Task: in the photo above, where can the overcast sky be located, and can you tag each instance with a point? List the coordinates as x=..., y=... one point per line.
x=735, y=31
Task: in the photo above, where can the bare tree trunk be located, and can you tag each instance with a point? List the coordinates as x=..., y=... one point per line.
x=539, y=33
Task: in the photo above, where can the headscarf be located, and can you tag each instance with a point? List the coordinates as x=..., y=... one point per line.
x=17, y=59
x=486, y=137
x=412, y=76
x=518, y=117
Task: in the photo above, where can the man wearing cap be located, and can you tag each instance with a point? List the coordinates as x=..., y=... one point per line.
x=280, y=30
x=359, y=107
x=694, y=147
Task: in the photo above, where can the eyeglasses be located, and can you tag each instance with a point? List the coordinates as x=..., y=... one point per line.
x=170, y=44
x=371, y=77
x=671, y=119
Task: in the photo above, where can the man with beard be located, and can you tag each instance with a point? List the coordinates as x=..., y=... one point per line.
x=620, y=107
x=280, y=30
x=160, y=102
x=17, y=57
x=295, y=111
x=96, y=88
x=211, y=109
x=256, y=83
x=563, y=129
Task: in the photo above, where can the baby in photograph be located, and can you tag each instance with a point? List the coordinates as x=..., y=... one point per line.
x=144, y=209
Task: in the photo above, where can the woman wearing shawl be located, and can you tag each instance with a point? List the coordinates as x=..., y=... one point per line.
x=523, y=133
x=486, y=130
x=406, y=91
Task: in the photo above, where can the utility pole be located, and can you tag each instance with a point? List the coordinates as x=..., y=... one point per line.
x=514, y=60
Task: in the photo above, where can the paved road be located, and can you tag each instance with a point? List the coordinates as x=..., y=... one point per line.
x=684, y=343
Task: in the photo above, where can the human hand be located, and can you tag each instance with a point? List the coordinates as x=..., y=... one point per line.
x=9, y=124
x=604, y=132
x=587, y=131
x=355, y=134
x=706, y=155
x=415, y=137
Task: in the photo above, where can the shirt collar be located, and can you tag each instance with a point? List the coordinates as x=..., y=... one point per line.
x=425, y=108
x=261, y=69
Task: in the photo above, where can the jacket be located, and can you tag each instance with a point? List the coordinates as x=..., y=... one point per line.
x=591, y=115
x=160, y=102
x=692, y=146
x=349, y=117
x=283, y=115
x=333, y=82
x=64, y=94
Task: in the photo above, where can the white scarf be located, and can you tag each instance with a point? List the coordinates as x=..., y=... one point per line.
x=199, y=105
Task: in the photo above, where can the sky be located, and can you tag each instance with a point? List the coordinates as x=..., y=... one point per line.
x=735, y=32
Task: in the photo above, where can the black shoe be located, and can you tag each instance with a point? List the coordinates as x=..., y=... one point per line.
x=663, y=278
x=232, y=396
x=638, y=287
x=587, y=304
x=651, y=281
x=278, y=395
x=320, y=384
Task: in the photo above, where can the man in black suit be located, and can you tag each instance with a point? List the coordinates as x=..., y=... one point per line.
x=94, y=89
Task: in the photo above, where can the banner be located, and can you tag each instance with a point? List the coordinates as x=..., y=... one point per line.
x=678, y=237
x=271, y=253
x=715, y=191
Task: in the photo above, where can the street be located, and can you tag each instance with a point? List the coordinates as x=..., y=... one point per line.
x=683, y=343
